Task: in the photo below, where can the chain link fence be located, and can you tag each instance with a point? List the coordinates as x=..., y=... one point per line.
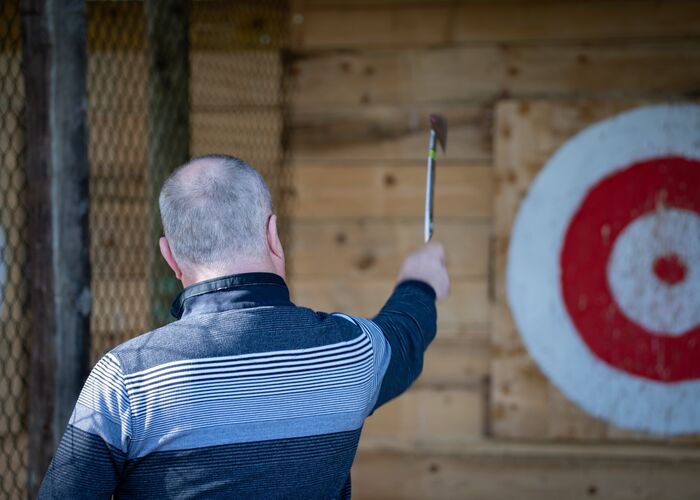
x=116, y=82
x=152, y=105
x=14, y=323
x=148, y=111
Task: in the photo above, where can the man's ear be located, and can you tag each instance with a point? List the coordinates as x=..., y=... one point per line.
x=167, y=254
x=274, y=245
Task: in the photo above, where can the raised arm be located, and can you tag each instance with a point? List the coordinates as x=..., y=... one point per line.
x=408, y=320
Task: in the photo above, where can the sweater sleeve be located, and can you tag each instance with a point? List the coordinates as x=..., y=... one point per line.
x=408, y=321
x=94, y=447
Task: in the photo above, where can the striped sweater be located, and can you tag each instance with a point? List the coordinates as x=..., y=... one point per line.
x=245, y=396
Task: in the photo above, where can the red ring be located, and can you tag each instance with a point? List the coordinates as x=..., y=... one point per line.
x=609, y=206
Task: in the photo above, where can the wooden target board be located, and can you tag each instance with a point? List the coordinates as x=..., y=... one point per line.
x=598, y=260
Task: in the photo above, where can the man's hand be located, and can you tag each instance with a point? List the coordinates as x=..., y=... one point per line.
x=428, y=264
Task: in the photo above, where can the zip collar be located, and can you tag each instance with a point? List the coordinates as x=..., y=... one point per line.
x=236, y=291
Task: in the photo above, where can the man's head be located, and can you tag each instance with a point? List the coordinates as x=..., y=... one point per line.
x=217, y=217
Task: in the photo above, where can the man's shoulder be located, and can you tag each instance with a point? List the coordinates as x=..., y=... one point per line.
x=140, y=346
x=239, y=333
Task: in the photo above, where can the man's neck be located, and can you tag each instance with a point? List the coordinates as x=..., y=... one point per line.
x=203, y=274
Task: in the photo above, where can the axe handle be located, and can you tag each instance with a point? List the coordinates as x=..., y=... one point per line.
x=429, y=189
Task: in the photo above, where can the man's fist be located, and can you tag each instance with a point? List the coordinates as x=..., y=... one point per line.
x=428, y=264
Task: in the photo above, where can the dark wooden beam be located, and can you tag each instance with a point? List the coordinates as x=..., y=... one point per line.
x=54, y=58
x=167, y=26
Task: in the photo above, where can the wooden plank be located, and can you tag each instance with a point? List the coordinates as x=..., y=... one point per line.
x=118, y=142
x=13, y=464
x=469, y=74
x=388, y=133
x=109, y=22
x=368, y=26
x=220, y=80
x=124, y=187
x=456, y=363
x=103, y=169
x=243, y=78
x=12, y=96
x=120, y=305
x=463, y=314
x=253, y=135
x=423, y=417
x=15, y=363
x=380, y=190
x=119, y=239
x=524, y=405
x=232, y=112
x=15, y=324
x=353, y=25
x=126, y=71
x=490, y=471
x=519, y=392
x=245, y=24
x=360, y=249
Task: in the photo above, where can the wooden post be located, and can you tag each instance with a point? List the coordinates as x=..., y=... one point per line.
x=54, y=57
x=167, y=24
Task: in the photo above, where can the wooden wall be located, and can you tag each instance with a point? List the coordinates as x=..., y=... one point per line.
x=364, y=75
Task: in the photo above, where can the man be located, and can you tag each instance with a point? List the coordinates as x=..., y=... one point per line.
x=246, y=395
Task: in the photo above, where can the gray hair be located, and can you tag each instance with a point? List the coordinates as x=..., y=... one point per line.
x=215, y=209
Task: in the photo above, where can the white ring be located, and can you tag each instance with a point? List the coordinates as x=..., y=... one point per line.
x=657, y=306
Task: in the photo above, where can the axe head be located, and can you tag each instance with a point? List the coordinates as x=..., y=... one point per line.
x=439, y=125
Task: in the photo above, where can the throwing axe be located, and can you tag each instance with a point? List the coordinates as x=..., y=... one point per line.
x=438, y=134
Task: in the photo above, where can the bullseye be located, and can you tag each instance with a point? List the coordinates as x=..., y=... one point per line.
x=670, y=269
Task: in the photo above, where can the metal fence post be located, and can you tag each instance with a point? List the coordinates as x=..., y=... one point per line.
x=54, y=58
